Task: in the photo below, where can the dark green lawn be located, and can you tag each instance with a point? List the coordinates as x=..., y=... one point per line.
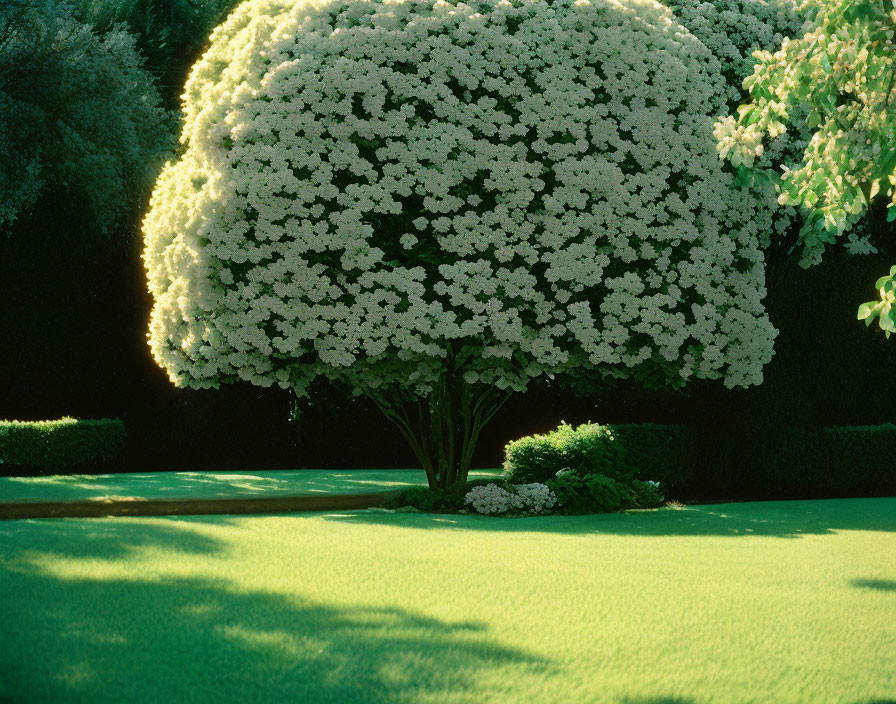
x=761, y=602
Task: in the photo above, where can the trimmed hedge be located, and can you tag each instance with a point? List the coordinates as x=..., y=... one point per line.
x=865, y=456
x=63, y=446
x=662, y=453
x=798, y=463
x=838, y=462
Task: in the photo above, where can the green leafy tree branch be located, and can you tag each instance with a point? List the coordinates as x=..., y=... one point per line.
x=841, y=74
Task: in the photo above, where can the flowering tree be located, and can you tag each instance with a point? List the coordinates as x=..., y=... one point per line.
x=841, y=78
x=437, y=203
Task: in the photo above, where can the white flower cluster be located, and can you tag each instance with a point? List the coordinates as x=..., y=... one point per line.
x=492, y=499
x=489, y=499
x=367, y=183
x=535, y=497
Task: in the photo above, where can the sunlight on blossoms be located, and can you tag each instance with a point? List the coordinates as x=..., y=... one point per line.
x=534, y=186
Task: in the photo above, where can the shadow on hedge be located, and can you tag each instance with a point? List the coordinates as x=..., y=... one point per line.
x=67, y=637
x=783, y=519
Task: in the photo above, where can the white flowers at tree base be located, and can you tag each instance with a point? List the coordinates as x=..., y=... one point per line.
x=522, y=498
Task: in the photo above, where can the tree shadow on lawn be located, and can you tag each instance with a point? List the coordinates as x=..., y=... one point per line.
x=85, y=634
x=883, y=585
x=783, y=519
x=106, y=538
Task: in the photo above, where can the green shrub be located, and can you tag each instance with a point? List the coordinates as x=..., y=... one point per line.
x=647, y=494
x=586, y=449
x=597, y=493
x=607, y=494
x=571, y=492
x=662, y=453
x=648, y=451
x=419, y=497
x=60, y=446
x=593, y=468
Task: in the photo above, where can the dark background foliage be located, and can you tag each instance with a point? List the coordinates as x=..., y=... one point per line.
x=75, y=308
x=171, y=34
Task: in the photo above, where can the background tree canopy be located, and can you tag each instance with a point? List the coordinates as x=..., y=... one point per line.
x=79, y=114
x=170, y=34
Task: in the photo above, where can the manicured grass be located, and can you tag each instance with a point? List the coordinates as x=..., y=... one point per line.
x=763, y=602
x=211, y=485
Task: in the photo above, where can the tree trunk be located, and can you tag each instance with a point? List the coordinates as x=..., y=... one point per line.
x=443, y=428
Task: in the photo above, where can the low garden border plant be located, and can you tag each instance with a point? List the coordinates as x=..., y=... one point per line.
x=569, y=470
x=63, y=446
x=520, y=499
x=585, y=467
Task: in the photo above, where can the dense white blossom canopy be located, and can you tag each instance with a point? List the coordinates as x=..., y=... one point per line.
x=368, y=188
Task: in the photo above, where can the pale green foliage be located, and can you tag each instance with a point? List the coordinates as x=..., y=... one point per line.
x=842, y=76
x=77, y=112
x=884, y=309
x=388, y=193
